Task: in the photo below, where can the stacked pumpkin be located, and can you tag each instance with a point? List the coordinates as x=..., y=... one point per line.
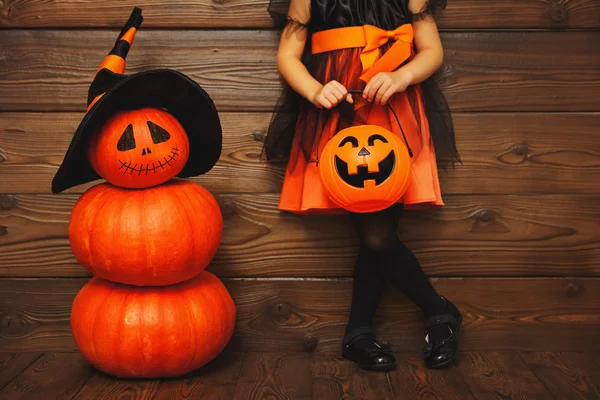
x=151, y=310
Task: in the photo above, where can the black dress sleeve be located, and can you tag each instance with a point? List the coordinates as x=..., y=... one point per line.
x=278, y=9
x=431, y=8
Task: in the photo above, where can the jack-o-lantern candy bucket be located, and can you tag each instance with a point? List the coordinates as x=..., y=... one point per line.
x=365, y=168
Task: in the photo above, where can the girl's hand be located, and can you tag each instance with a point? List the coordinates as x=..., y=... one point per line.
x=330, y=95
x=383, y=85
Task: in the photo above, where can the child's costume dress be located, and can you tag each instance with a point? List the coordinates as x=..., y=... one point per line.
x=299, y=130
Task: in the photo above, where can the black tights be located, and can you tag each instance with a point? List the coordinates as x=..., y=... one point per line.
x=383, y=257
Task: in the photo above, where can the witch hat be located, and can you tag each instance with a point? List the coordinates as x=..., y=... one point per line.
x=113, y=91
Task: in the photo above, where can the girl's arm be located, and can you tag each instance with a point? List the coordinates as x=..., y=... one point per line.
x=426, y=62
x=430, y=53
x=291, y=68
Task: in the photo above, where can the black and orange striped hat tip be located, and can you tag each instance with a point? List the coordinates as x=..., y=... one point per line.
x=135, y=21
x=124, y=42
x=115, y=62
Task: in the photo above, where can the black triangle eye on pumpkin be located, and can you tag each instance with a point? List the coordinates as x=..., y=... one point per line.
x=127, y=140
x=158, y=134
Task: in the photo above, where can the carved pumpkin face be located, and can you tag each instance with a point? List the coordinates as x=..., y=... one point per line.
x=139, y=148
x=365, y=168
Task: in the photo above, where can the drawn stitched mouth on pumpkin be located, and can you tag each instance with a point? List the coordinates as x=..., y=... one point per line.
x=151, y=168
x=386, y=167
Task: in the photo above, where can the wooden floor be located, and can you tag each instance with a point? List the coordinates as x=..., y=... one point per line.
x=477, y=375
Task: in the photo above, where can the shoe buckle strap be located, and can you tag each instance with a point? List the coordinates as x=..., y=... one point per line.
x=440, y=319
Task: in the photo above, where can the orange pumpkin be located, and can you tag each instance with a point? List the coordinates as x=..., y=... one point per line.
x=365, y=168
x=152, y=332
x=139, y=148
x=150, y=237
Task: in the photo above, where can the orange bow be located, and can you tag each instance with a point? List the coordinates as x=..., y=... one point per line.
x=371, y=38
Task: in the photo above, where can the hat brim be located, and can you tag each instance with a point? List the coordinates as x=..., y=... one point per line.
x=177, y=94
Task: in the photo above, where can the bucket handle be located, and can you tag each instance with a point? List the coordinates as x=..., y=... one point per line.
x=410, y=153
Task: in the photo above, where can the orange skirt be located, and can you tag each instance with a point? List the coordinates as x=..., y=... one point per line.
x=302, y=191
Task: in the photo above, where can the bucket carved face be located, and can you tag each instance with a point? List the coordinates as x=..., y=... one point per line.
x=365, y=168
x=365, y=163
x=139, y=148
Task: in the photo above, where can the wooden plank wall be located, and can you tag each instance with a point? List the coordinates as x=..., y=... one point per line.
x=517, y=246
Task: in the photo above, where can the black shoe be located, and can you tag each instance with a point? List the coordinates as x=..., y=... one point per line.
x=443, y=352
x=360, y=346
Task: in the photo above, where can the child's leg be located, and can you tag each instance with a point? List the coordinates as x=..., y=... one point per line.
x=397, y=264
x=359, y=344
x=367, y=288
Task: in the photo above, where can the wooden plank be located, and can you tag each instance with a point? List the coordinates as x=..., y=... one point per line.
x=53, y=376
x=484, y=71
x=335, y=378
x=37, y=310
x=275, y=376
x=471, y=236
x=493, y=375
x=103, y=386
x=567, y=375
x=253, y=14
x=12, y=364
x=293, y=315
x=502, y=153
x=214, y=381
x=413, y=380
